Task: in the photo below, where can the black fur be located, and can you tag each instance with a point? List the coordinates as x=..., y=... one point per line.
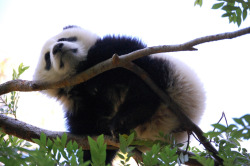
x=70, y=39
x=48, y=61
x=70, y=26
x=115, y=100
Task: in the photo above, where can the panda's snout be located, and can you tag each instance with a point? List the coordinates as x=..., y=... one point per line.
x=57, y=48
x=64, y=54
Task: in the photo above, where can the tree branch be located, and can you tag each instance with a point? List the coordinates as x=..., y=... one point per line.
x=23, y=85
x=28, y=132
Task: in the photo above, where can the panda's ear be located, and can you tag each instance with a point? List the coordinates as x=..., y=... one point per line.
x=70, y=26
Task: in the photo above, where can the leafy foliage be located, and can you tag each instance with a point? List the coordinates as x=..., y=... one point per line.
x=19, y=72
x=235, y=10
x=58, y=151
x=14, y=151
x=10, y=102
x=164, y=152
x=161, y=156
x=227, y=139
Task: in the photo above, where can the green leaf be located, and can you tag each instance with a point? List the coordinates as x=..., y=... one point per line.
x=43, y=139
x=63, y=153
x=234, y=17
x=156, y=148
x=55, y=150
x=247, y=116
x=49, y=144
x=75, y=145
x=244, y=15
x=130, y=139
x=238, y=11
x=123, y=143
x=14, y=74
x=232, y=127
x=100, y=140
x=238, y=20
x=21, y=69
x=151, y=157
x=69, y=147
x=121, y=156
x=59, y=156
x=79, y=154
x=198, y=2
x=64, y=139
x=239, y=121
x=37, y=141
x=220, y=127
x=212, y=134
x=217, y=5
x=203, y=160
x=25, y=68
x=73, y=161
x=98, y=150
x=229, y=8
x=123, y=162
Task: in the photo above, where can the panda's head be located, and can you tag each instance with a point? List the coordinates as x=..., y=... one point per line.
x=61, y=54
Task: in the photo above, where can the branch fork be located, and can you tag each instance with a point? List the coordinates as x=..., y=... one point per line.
x=27, y=132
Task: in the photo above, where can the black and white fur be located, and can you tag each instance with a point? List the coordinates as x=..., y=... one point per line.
x=117, y=100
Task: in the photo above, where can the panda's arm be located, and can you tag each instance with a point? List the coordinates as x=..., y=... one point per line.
x=138, y=107
x=106, y=47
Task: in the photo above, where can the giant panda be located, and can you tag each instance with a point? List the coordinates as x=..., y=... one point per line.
x=117, y=100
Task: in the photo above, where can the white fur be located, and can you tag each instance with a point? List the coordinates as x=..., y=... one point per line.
x=187, y=92
x=85, y=40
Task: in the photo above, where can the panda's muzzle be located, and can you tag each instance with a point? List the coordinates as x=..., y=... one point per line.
x=62, y=51
x=57, y=48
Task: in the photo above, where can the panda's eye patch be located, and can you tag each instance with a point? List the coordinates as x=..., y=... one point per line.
x=47, y=60
x=69, y=39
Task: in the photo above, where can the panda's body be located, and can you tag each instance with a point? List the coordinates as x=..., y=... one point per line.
x=117, y=100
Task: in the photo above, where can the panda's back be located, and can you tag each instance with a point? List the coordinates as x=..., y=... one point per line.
x=159, y=69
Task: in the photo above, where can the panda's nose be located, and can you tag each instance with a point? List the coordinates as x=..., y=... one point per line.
x=57, y=48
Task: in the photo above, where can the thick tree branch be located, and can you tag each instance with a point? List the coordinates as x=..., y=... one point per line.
x=22, y=85
x=28, y=132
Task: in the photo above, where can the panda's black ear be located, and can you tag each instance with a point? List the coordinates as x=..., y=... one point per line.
x=70, y=26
